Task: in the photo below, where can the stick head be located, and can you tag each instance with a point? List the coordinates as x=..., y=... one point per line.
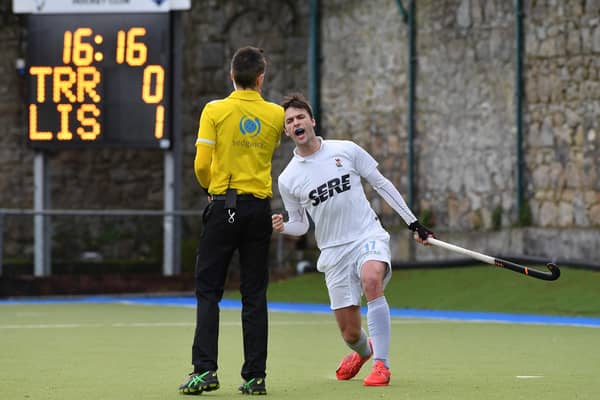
x=554, y=270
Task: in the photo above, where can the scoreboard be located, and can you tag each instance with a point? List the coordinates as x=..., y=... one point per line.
x=100, y=72
x=99, y=80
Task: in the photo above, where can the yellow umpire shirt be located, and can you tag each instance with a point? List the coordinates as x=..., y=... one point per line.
x=236, y=140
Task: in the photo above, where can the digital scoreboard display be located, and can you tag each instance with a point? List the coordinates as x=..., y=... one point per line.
x=99, y=80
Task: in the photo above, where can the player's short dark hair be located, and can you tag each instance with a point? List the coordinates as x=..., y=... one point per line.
x=246, y=65
x=297, y=100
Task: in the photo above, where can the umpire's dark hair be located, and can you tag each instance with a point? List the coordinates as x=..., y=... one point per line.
x=247, y=64
x=297, y=100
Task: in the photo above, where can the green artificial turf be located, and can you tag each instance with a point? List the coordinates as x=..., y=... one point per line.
x=479, y=288
x=124, y=351
x=120, y=351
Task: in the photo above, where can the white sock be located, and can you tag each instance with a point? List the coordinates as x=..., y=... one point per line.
x=361, y=346
x=380, y=327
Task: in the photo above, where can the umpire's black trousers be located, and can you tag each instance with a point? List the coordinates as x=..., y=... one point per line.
x=249, y=233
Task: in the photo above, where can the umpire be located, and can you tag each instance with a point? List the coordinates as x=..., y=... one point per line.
x=236, y=140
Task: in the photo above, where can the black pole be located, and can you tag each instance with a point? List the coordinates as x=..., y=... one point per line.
x=519, y=106
x=314, y=72
x=412, y=66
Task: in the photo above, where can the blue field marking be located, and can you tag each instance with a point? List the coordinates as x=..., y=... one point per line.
x=475, y=316
x=189, y=301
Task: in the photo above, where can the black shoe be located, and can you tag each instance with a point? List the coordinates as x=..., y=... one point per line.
x=254, y=386
x=197, y=383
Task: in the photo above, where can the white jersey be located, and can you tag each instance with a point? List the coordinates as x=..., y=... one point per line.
x=328, y=185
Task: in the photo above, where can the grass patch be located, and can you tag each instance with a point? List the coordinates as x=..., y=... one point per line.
x=479, y=288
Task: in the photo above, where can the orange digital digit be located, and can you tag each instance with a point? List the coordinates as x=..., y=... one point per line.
x=154, y=73
x=159, y=122
x=67, y=47
x=120, y=57
x=83, y=52
x=137, y=52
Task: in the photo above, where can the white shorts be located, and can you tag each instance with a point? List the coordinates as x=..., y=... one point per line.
x=342, y=266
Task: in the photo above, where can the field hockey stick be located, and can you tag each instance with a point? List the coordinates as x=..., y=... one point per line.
x=547, y=276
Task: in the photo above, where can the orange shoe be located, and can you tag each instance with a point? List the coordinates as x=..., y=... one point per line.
x=379, y=376
x=351, y=364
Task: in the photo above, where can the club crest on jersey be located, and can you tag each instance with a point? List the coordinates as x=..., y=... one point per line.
x=328, y=189
x=249, y=126
x=338, y=163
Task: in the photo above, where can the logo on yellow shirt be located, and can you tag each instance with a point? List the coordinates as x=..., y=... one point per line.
x=249, y=126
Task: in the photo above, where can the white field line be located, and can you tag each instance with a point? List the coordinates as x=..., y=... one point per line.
x=49, y=326
x=187, y=324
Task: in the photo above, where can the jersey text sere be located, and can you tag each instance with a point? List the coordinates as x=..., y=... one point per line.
x=328, y=189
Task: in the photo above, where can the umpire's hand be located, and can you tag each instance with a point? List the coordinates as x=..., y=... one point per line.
x=277, y=222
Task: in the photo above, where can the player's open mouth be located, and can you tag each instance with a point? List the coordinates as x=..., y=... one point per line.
x=299, y=131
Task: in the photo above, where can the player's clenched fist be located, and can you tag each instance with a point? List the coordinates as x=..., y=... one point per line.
x=277, y=221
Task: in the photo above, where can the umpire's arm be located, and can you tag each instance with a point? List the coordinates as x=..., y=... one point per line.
x=202, y=164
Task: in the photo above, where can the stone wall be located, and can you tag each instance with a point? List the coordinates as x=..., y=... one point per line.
x=465, y=79
x=465, y=143
x=563, y=113
x=16, y=177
